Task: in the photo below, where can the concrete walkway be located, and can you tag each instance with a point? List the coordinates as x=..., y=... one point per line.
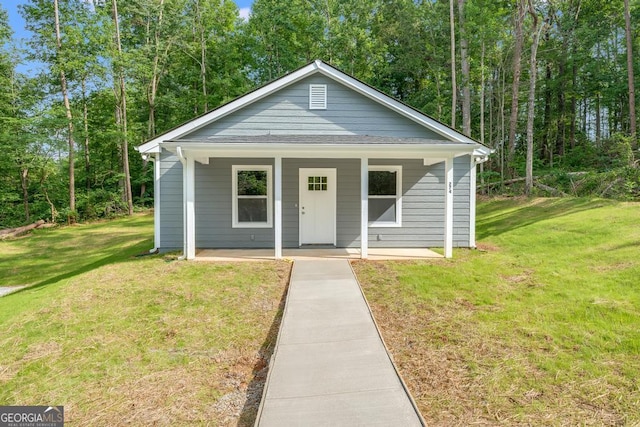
x=330, y=366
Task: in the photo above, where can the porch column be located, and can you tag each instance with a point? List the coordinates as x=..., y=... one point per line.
x=155, y=158
x=472, y=204
x=448, y=207
x=189, y=208
x=277, y=191
x=364, y=208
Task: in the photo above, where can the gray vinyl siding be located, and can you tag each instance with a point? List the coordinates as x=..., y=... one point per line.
x=287, y=112
x=348, y=199
x=422, y=207
x=461, y=201
x=422, y=204
x=213, y=190
x=171, y=204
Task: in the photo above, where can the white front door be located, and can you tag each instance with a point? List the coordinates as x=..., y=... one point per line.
x=317, y=206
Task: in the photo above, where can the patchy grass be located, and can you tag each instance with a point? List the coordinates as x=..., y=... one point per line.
x=540, y=326
x=118, y=339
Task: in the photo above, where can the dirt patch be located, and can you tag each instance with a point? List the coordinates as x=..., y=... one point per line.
x=486, y=247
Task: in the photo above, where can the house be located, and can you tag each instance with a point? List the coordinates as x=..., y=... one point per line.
x=316, y=157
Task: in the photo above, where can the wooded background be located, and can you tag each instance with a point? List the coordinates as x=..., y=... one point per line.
x=548, y=84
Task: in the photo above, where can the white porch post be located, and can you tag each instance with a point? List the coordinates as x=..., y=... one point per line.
x=277, y=180
x=472, y=204
x=448, y=207
x=364, y=208
x=155, y=158
x=189, y=208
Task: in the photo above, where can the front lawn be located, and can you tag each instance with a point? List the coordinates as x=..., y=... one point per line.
x=539, y=326
x=119, y=339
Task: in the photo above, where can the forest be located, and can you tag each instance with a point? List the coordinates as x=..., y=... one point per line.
x=548, y=84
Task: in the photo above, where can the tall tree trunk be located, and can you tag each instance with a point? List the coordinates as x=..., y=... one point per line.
x=546, y=136
x=632, y=90
x=203, y=56
x=464, y=66
x=85, y=122
x=122, y=91
x=598, y=121
x=573, y=113
x=562, y=114
x=454, y=87
x=502, y=124
x=67, y=108
x=24, y=183
x=155, y=74
x=482, y=81
x=533, y=73
x=517, y=69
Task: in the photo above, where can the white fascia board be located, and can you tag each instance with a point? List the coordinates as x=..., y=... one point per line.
x=148, y=149
x=256, y=150
x=481, y=154
x=229, y=108
x=395, y=105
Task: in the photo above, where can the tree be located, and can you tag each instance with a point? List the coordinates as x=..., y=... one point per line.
x=630, y=76
x=67, y=109
x=533, y=73
x=121, y=109
x=515, y=87
x=454, y=88
x=464, y=67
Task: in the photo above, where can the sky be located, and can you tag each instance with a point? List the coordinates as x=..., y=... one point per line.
x=20, y=34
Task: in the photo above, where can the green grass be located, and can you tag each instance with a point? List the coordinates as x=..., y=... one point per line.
x=120, y=339
x=540, y=325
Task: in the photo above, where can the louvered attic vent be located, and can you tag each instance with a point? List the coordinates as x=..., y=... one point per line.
x=317, y=97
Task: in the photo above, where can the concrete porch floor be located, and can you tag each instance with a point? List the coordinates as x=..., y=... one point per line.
x=375, y=254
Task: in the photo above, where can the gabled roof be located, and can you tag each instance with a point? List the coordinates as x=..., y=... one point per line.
x=152, y=146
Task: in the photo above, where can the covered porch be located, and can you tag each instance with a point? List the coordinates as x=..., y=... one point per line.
x=364, y=153
x=375, y=254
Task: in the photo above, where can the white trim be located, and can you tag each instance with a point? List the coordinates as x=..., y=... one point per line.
x=189, y=205
x=472, y=204
x=314, y=67
x=157, y=170
x=317, y=97
x=325, y=151
x=277, y=194
x=234, y=196
x=398, y=196
x=448, y=208
x=330, y=172
x=364, y=208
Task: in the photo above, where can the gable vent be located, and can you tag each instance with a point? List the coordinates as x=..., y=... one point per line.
x=317, y=97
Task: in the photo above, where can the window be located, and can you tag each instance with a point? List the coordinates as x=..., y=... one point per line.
x=317, y=97
x=385, y=196
x=252, y=197
x=317, y=183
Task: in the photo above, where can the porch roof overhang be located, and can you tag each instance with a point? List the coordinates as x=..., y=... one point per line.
x=324, y=146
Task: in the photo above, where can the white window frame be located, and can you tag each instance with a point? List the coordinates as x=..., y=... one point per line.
x=234, y=195
x=398, y=196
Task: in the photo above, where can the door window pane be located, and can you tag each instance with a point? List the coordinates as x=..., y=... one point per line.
x=317, y=183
